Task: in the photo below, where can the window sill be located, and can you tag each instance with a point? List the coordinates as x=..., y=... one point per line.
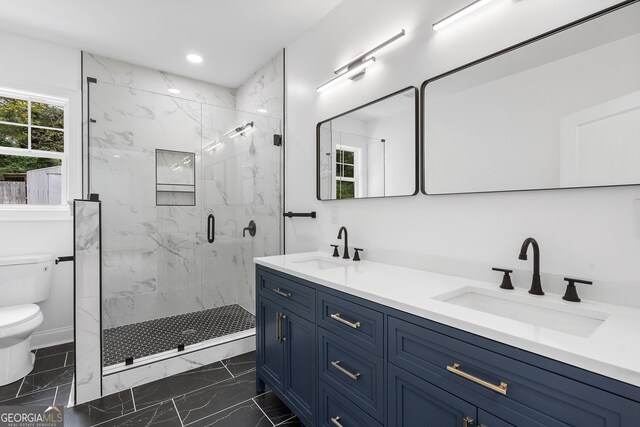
x=23, y=213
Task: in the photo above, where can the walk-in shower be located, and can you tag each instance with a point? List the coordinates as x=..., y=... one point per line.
x=179, y=179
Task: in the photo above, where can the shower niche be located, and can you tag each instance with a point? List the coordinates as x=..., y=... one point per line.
x=175, y=178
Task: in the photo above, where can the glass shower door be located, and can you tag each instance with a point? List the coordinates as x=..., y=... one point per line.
x=241, y=181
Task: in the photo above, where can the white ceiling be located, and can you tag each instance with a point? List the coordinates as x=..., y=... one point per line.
x=235, y=37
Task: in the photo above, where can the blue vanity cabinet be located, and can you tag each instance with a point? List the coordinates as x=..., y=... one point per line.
x=532, y=396
x=415, y=402
x=286, y=342
x=339, y=360
x=300, y=365
x=486, y=419
x=269, y=344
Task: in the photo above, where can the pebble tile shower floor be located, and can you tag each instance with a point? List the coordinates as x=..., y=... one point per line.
x=155, y=336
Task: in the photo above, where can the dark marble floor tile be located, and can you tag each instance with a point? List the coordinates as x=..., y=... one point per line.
x=10, y=390
x=163, y=414
x=42, y=397
x=100, y=410
x=241, y=364
x=71, y=359
x=208, y=401
x=48, y=363
x=46, y=379
x=245, y=414
x=56, y=349
x=273, y=407
x=291, y=422
x=179, y=384
x=62, y=396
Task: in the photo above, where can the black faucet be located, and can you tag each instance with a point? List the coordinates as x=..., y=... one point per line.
x=346, y=241
x=536, y=285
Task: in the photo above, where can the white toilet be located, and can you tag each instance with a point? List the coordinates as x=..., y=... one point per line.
x=24, y=280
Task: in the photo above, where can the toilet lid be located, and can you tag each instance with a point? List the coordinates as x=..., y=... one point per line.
x=16, y=314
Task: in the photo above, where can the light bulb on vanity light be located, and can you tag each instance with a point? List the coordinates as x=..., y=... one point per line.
x=470, y=8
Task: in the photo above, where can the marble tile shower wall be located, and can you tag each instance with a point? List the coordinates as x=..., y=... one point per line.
x=156, y=260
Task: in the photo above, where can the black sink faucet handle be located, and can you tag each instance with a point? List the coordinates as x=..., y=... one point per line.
x=356, y=256
x=506, y=279
x=572, y=294
x=335, y=251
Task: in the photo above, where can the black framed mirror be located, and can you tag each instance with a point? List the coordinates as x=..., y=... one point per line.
x=370, y=151
x=561, y=110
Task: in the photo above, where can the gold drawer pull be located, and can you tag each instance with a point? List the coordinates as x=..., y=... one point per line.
x=502, y=388
x=336, y=422
x=336, y=316
x=467, y=422
x=282, y=293
x=351, y=375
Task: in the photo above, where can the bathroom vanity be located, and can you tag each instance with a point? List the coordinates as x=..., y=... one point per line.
x=369, y=344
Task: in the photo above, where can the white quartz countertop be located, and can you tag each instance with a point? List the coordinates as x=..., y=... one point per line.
x=613, y=349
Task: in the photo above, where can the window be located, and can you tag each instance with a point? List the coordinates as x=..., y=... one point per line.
x=32, y=149
x=345, y=173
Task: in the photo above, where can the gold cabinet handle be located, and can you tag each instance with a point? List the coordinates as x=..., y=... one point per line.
x=502, y=388
x=282, y=293
x=351, y=375
x=336, y=316
x=467, y=422
x=336, y=422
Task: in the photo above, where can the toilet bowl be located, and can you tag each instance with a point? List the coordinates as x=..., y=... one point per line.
x=24, y=281
x=17, y=324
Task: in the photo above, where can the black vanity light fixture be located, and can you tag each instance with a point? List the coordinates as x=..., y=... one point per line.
x=472, y=7
x=240, y=130
x=358, y=65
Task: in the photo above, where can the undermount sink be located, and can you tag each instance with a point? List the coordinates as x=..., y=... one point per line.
x=319, y=263
x=534, y=311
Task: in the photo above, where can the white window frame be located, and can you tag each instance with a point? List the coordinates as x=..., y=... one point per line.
x=11, y=212
x=357, y=171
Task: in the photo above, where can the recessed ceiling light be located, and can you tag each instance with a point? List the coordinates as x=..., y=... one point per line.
x=192, y=57
x=262, y=110
x=174, y=91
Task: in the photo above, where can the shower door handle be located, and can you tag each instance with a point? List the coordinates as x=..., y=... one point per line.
x=211, y=228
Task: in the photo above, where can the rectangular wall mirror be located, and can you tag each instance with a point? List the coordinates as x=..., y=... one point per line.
x=560, y=111
x=371, y=151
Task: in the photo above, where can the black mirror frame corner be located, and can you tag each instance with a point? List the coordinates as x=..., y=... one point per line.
x=417, y=150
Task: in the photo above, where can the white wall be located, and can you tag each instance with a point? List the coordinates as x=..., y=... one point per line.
x=398, y=151
x=590, y=232
x=42, y=67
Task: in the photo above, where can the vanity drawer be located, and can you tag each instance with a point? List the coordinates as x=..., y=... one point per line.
x=357, y=374
x=336, y=410
x=354, y=322
x=528, y=392
x=290, y=294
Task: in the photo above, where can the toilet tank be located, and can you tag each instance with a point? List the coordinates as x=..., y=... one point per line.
x=25, y=279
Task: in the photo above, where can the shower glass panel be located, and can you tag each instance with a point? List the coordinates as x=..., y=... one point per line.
x=179, y=275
